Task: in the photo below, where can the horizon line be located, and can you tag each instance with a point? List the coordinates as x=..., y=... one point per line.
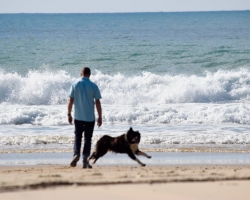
x=127, y=12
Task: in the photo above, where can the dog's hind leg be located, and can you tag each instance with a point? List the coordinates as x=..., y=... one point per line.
x=92, y=156
x=132, y=156
x=99, y=153
x=140, y=153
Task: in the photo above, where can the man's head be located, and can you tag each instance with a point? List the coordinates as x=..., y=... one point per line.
x=86, y=72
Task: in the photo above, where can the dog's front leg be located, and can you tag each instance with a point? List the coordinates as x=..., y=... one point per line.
x=132, y=156
x=140, y=153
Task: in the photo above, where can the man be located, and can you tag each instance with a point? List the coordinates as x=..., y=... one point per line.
x=82, y=94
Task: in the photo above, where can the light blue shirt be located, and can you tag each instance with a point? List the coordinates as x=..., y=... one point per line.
x=84, y=92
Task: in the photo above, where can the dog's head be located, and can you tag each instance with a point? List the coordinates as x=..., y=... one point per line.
x=132, y=136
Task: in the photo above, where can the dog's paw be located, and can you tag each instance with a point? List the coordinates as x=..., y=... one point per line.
x=149, y=157
x=143, y=165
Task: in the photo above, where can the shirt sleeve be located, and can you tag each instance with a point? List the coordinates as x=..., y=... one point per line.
x=97, y=93
x=71, y=92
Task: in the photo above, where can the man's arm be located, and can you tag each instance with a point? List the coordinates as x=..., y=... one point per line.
x=70, y=105
x=99, y=111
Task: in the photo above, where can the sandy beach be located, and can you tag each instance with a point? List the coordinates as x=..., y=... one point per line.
x=125, y=182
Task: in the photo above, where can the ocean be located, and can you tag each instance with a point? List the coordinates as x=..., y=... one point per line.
x=181, y=79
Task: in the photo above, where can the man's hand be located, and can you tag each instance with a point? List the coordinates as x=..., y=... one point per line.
x=99, y=122
x=70, y=119
x=99, y=111
x=70, y=104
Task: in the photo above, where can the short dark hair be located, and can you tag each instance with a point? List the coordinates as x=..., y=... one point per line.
x=86, y=71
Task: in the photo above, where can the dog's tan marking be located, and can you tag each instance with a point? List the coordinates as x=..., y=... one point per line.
x=134, y=147
x=143, y=154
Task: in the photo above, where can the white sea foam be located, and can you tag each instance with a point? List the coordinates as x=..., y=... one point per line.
x=50, y=88
x=161, y=89
x=36, y=88
x=191, y=113
x=169, y=110
x=169, y=137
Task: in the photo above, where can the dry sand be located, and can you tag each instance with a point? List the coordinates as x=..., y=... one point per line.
x=125, y=182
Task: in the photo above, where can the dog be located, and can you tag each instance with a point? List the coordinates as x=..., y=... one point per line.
x=126, y=143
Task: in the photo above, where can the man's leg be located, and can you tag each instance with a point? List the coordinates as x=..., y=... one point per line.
x=79, y=128
x=88, y=133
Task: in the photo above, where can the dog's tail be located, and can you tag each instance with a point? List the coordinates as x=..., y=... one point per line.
x=102, y=147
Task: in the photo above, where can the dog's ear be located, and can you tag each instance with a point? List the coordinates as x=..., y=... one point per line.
x=130, y=129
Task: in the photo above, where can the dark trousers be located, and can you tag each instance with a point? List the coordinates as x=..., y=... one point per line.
x=87, y=128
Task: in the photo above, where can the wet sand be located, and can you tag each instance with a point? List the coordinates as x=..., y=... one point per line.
x=125, y=182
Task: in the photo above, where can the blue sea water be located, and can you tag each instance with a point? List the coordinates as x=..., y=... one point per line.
x=181, y=79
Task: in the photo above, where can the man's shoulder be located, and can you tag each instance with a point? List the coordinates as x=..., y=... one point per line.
x=88, y=81
x=76, y=83
x=93, y=83
x=84, y=81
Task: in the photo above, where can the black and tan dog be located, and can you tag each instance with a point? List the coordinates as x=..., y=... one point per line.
x=126, y=143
